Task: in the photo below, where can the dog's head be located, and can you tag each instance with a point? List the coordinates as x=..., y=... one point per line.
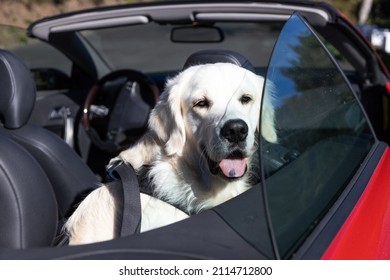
x=210, y=113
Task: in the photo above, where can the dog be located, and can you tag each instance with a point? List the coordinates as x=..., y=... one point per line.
x=197, y=153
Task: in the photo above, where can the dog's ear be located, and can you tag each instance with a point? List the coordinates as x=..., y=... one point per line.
x=166, y=130
x=268, y=130
x=166, y=119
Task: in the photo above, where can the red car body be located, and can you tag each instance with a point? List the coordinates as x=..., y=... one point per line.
x=366, y=233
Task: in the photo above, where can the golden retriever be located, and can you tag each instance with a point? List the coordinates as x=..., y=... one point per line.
x=196, y=154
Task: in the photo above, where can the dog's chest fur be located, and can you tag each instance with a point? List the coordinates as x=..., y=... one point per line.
x=187, y=189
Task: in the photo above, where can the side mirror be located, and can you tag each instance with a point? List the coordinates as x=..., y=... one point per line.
x=50, y=79
x=197, y=34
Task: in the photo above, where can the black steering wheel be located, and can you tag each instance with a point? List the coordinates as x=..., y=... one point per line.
x=127, y=117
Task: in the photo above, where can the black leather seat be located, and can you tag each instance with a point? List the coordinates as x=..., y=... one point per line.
x=28, y=207
x=68, y=174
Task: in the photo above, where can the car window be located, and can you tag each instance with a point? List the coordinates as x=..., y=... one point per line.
x=323, y=135
x=341, y=60
x=50, y=68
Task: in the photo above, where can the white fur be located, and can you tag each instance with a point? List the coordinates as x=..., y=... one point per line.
x=182, y=131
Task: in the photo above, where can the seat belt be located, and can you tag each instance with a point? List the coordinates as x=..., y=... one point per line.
x=125, y=176
x=131, y=212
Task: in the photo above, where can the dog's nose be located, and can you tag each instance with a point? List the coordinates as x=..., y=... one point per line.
x=235, y=131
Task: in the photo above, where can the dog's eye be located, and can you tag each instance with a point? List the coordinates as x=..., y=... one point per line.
x=245, y=99
x=202, y=103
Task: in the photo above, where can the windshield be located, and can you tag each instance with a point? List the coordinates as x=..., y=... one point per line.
x=127, y=47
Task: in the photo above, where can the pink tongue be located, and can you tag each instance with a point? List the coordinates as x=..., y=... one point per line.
x=233, y=168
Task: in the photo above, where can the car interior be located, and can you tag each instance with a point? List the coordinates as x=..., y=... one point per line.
x=60, y=125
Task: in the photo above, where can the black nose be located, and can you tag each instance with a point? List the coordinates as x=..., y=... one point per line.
x=235, y=131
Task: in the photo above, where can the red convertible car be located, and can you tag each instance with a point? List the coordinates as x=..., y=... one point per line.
x=79, y=88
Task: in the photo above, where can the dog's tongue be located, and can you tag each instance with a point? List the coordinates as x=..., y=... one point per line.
x=233, y=168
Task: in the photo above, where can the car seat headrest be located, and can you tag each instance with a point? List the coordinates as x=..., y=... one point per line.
x=17, y=92
x=217, y=56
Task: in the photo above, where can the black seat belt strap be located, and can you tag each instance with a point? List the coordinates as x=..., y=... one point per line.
x=131, y=214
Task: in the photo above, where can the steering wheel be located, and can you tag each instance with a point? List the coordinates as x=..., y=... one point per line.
x=127, y=117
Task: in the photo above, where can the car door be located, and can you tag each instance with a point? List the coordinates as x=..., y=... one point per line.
x=317, y=173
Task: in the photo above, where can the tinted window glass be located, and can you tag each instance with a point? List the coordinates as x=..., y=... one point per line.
x=323, y=135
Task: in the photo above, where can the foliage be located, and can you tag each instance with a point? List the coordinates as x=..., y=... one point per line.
x=379, y=13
